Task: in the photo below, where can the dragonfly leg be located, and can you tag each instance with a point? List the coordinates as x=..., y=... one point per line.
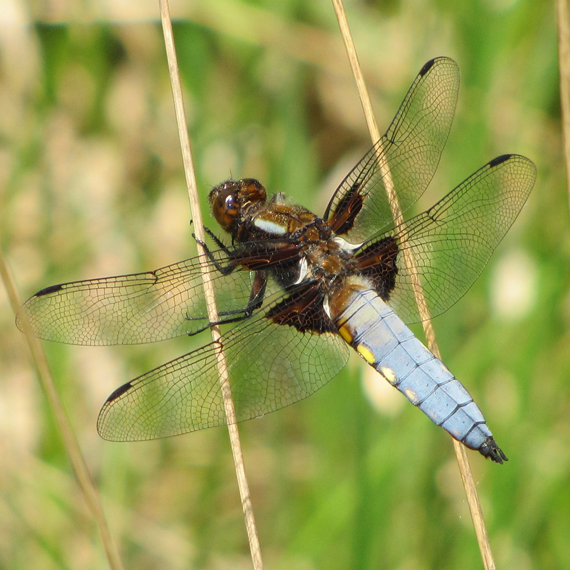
x=255, y=301
x=216, y=239
x=224, y=270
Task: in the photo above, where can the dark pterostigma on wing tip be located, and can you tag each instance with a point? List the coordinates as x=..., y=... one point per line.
x=49, y=290
x=427, y=66
x=499, y=160
x=491, y=450
x=119, y=391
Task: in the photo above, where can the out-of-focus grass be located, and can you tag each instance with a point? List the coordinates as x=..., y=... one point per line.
x=91, y=184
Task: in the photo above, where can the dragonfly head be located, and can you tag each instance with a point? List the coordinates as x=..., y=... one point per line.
x=234, y=197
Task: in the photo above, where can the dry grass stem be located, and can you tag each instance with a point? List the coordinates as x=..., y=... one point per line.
x=208, y=288
x=409, y=261
x=564, y=70
x=70, y=442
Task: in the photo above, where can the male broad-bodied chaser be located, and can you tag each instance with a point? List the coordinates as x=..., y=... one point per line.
x=301, y=288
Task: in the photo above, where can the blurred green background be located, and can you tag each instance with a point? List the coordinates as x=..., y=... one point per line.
x=91, y=184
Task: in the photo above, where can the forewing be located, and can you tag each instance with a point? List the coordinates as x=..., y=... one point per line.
x=408, y=154
x=270, y=366
x=452, y=241
x=133, y=309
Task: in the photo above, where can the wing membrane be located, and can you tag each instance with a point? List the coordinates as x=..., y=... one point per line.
x=453, y=240
x=270, y=367
x=133, y=309
x=410, y=149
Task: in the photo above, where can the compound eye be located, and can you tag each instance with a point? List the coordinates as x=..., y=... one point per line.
x=225, y=206
x=230, y=204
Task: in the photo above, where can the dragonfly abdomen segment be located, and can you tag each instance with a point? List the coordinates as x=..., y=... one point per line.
x=370, y=326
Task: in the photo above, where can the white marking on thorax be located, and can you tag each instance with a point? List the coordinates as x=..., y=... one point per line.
x=270, y=227
x=327, y=307
x=303, y=270
x=346, y=245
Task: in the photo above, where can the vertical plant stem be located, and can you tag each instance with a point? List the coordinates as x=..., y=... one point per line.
x=564, y=70
x=69, y=441
x=409, y=261
x=208, y=288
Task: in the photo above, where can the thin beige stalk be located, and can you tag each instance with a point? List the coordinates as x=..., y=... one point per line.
x=564, y=70
x=409, y=261
x=69, y=441
x=208, y=288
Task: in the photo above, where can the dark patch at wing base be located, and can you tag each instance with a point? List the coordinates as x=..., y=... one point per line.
x=346, y=211
x=303, y=310
x=378, y=262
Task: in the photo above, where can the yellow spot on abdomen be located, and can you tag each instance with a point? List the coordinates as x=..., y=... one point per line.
x=366, y=354
x=388, y=373
x=412, y=396
x=345, y=333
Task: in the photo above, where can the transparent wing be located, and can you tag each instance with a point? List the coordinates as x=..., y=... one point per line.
x=270, y=366
x=134, y=309
x=453, y=240
x=410, y=149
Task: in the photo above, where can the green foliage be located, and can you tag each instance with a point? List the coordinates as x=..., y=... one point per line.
x=92, y=185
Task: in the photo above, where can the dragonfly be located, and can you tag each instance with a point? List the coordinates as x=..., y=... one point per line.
x=301, y=290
